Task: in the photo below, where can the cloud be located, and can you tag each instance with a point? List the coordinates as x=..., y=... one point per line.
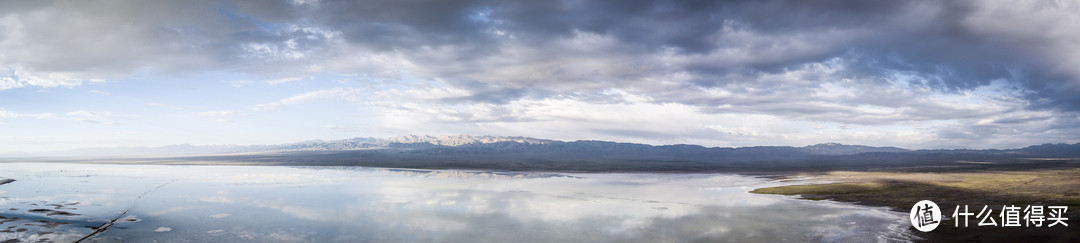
x=100, y=118
x=15, y=76
x=567, y=46
x=343, y=129
x=8, y=114
x=238, y=83
x=871, y=66
x=220, y=116
x=318, y=95
x=559, y=47
x=284, y=80
x=217, y=113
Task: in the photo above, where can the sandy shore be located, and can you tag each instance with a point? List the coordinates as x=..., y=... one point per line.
x=900, y=190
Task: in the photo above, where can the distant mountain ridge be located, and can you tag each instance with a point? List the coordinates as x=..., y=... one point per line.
x=467, y=144
x=841, y=149
x=531, y=154
x=358, y=143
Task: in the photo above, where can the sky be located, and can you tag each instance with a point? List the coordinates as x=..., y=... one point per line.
x=910, y=74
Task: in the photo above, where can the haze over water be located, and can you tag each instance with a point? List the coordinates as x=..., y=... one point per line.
x=355, y=204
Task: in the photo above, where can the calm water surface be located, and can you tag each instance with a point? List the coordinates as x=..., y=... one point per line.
x=63, y=202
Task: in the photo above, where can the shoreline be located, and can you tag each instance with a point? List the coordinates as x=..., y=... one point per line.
x=899, y=190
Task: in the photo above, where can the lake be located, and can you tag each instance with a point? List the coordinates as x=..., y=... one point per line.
x=164, y=203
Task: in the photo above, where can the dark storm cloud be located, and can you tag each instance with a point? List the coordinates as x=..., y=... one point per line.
x=933, y=43
x=675, y=51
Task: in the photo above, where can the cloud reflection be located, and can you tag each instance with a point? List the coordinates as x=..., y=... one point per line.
x=387, y=205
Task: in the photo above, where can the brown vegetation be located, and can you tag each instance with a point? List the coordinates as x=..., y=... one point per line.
x=900, y=190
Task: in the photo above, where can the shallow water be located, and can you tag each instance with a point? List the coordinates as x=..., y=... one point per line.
x=62, y=202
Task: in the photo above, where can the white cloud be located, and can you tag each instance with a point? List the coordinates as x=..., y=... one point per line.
x=102, y=118
x=284, y=80
x=343, y=129
x=217, y=113
x=318, y=95
x=8, y=114
x=238, y=83
x=15, y=76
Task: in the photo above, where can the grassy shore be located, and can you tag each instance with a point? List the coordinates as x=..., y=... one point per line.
x=900, y=190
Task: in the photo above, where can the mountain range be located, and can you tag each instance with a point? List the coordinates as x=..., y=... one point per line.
x=523, y=153
x=463, y=142
x=505, y=143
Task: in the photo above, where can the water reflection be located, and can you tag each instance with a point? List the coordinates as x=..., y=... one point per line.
x=350, y=204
